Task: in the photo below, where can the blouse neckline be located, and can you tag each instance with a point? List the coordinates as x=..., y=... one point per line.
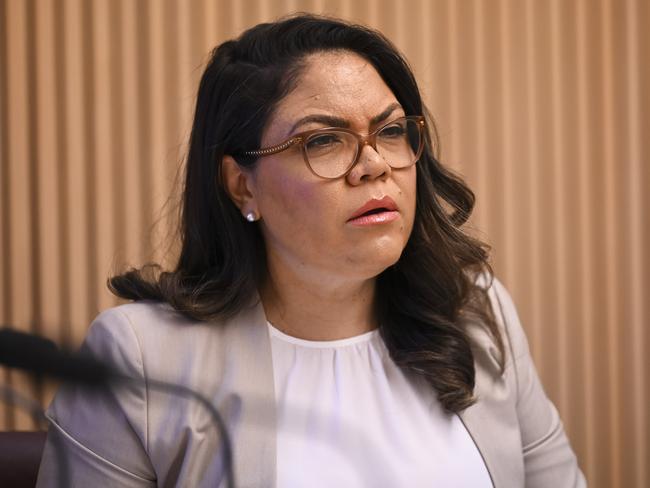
x=348, y=341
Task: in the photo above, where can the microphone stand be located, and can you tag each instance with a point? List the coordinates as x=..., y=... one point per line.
x=183, y=391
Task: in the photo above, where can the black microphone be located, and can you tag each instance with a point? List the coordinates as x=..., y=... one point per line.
x=42, y=357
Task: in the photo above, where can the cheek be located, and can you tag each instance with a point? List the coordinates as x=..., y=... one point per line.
x=408, y=188
x=413, y=192
x=291, y=196
x=295, y=206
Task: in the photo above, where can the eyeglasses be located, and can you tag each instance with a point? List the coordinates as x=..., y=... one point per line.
x=332, y=152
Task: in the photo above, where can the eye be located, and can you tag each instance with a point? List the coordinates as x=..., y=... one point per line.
x=393, y=131
x=323, y=141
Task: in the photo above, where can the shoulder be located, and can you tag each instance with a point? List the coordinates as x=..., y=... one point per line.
x=500, y=299
x=138, y=317
x=507, y=318
x=152, y=339
x=507, y=321
x=145, y=431
x=122, y=335
x=530, y=425
x=485, y=346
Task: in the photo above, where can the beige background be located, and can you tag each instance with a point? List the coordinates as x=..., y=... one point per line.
x=542, y=104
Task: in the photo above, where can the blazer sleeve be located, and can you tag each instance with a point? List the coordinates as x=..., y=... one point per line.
x=98, y=437
x=548, y=457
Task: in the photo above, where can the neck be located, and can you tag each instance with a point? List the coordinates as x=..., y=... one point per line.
x=319, y=310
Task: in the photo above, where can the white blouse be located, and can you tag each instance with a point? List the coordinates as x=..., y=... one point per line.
x=349, y=417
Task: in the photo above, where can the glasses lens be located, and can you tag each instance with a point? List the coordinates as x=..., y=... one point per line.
x=399, y=142
x=331, y=153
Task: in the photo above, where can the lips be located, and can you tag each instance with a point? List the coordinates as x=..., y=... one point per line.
x=374, y=207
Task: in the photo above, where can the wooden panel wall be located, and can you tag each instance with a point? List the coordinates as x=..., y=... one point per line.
x=542, y=104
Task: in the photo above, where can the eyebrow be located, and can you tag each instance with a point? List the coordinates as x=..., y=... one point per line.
x=385, y=114
x=328, y=120
x=332, y=121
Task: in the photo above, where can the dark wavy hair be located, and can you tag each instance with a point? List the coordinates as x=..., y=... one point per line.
x=425, y=300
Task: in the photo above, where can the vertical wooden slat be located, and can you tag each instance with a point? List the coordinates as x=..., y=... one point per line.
x=403, y=30
x=480, y=157
x=88, y=102
x=611, y=244
x=49, y=184
x=62, y=282
x=493, y=163
x=635, y=224
x=572, y=401
x=172, y=83
x=184, y=69
x=453, y=68
x=20, y=177
x=144, y=159
x=425, y=48
x=127, y=121
x=545, y=206
x=224, y=25
x=572, y=314
x=600, y=357
x=17, y=163
x=237, y=18
x=125, y=246
x=77, y=170
x=158, y=114
x=533, y=161
x=508, y=207
x=104, y=154
x=211, y=15
x=34, y=176
x=439, y=53
x=516, y=246
x=6, y=412
x=644, y=181
x=558, y=170
x=585, y=230
x=46, y=138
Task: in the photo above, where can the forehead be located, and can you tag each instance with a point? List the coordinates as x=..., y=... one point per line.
x=338, y=83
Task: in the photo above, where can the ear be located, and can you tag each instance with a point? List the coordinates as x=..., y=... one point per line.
x=237, y=182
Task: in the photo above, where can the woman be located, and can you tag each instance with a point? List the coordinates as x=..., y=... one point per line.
x=325, y=300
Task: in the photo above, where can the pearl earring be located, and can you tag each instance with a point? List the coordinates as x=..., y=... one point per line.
x=250, y=216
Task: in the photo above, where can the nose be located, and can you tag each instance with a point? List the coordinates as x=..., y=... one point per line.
x=370, y=166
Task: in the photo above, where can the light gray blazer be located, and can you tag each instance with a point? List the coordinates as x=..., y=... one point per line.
x=135, y=436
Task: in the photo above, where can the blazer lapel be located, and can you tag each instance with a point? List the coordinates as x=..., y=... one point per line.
x=251, y=401
x=492, y=420
x=473, y=418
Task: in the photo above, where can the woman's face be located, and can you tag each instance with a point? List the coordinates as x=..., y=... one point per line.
x=306, y=220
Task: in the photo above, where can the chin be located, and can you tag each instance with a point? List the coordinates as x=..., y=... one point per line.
x=375, y=259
